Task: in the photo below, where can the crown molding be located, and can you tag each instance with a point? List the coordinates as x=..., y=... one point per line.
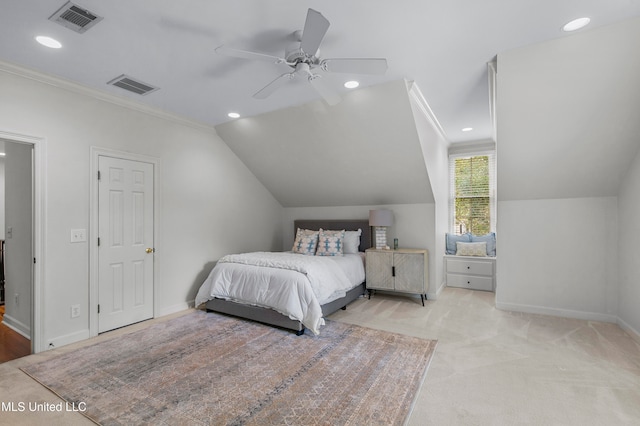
x=68, y=85
x=416, y=95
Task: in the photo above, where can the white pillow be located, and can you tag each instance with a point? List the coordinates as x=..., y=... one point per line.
x=352, y=241
x=471, y=249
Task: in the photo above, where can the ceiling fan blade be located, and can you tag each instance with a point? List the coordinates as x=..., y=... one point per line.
x=327, y=93
x=273, y=86
x=315, y=28
x=244, y=54
x=355, y=65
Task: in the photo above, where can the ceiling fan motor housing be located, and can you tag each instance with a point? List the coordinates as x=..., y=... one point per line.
x=294, y=54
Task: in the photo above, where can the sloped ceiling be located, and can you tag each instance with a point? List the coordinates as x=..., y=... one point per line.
x=568, y=114
x=364, y=151
x=442, y=45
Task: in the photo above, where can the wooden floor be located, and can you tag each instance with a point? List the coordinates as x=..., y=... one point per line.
x=12, y=344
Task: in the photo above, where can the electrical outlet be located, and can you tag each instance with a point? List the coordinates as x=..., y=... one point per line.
x=75, y=311
x=78, y=235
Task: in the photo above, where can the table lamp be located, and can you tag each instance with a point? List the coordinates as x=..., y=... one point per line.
x=380, y=219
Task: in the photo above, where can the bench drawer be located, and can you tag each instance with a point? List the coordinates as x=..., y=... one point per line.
x=471, y=267
x=470, y=281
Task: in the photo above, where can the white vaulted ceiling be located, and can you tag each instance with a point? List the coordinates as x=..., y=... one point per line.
x=441, y=45
x=365, y=150
x=568, y=115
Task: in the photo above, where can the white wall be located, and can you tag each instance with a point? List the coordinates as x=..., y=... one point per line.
x=629, y=253
x=558, y=257
x=434, y=146
x=211, y=204
x=566, y=137
x=413, y=226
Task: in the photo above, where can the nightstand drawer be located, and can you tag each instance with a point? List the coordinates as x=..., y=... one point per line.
x=469, y=281
x=470, y=267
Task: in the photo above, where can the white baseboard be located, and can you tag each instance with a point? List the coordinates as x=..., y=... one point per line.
x=19, y=327
x=434, y=295
x=67, y=339
x=564, y=313
x=168, y=310
x=635, y=335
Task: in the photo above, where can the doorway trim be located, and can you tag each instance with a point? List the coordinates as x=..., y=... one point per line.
x=38, y=308
x=97, y=152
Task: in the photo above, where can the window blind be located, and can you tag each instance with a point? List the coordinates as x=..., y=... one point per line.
x=472, y=201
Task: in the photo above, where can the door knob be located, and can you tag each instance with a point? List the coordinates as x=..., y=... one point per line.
x=149, y=250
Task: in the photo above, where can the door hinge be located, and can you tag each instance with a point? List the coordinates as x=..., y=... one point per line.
x=98, y=241
x=393, y=271
x=98, y=308
x=34, y=260
x=99, y=175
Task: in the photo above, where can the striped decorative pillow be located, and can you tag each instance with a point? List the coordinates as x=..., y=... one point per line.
x=472, y=249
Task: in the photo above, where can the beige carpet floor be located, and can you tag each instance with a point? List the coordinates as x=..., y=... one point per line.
x=491, y=367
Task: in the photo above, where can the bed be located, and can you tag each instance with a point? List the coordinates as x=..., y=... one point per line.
x=236, y=273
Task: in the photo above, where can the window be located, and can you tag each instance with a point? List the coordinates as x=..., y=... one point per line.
x=472, y=201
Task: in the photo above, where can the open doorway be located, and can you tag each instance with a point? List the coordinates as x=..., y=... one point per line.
x=21, y=219
x=17, y=248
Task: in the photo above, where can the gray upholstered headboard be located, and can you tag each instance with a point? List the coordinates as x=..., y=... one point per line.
x=347, y=225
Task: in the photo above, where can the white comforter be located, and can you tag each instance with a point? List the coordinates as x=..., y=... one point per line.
x=292, y=284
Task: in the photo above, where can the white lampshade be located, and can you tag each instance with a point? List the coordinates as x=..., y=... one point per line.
x=380, y=218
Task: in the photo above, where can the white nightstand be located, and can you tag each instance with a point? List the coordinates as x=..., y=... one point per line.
x=401, y=270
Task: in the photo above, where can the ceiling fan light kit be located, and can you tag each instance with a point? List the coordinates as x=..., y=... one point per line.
x=303, y=57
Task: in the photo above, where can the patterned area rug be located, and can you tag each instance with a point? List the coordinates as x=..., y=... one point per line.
x=210, y=369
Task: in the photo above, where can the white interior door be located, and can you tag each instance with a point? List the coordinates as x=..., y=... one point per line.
x=125, y=232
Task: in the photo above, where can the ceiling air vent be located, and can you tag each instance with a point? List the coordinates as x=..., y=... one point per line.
x=127, y=83
x=75, y=17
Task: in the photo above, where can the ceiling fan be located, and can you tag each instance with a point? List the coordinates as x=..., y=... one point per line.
x=303, y=57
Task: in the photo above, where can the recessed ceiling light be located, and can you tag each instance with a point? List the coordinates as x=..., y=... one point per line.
x=49, y=42
x=2, y=154
x=351, y=84
x=576, y=24
x=467, y=129
x=234, y=115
